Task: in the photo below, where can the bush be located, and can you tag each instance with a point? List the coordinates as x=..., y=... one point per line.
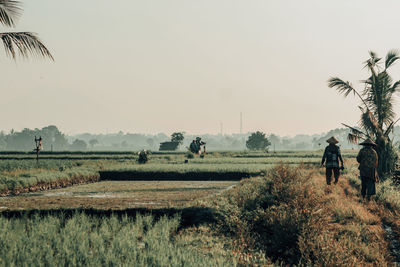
x=257, y=141
x=269, y=213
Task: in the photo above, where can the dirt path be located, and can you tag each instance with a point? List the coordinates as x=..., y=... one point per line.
x=374, y=215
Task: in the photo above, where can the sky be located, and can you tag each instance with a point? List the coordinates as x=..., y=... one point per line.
x=189, y=65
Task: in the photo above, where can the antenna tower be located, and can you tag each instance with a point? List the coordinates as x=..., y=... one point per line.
x=241, y=122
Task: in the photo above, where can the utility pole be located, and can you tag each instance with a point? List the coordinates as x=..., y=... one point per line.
x=241, y=123
x=222, y=129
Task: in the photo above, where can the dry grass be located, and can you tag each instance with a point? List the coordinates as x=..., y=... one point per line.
x=295, y=218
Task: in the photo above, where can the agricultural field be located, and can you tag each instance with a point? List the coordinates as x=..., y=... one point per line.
x=227, y=209
x=20, y=173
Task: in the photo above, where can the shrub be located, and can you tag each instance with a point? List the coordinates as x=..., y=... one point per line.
x=268, y=213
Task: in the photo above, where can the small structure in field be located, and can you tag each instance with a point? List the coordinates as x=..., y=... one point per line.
x=169, y=146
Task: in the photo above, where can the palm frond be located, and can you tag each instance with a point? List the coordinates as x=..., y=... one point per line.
x=372, y=62
x=355, y=135
x=343, y=87
x=390, y=127
x=10, y=10
x=355, y=131
x=353, y=138
x=396, y=86
x=391, y=57
x=26, y=43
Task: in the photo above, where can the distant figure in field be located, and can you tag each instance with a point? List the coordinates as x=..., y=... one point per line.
x=332, y=156
x=368, y=159
x=195, y=146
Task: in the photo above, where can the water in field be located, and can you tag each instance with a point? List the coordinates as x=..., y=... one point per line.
x=119, y=195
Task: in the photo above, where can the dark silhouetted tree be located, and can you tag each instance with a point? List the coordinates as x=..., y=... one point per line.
x=78, y=145
x=257, y=141
x=150, y=142
x=93, y=142
x=177, y=137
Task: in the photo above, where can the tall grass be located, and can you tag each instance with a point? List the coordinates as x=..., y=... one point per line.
x=20, y=181
x=95, y=241
x=12, y=165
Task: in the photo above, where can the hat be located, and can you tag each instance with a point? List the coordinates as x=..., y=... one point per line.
x=368, y=142
x=332, y=140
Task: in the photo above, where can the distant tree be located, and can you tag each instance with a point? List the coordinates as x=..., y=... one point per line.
x=78, y=145
x=177, y=137
x=124, y=144
x=53, y=138
x=377, y=111
x=275, y=141
x=150, y=142
x=93, y=142
x=3, y=142
x=23, y=141
x=26, y=43
x=257, y=141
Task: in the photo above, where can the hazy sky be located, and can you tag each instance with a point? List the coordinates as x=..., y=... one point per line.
x=162, y=66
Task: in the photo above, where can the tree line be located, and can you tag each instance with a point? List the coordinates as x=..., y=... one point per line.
x=54, y=139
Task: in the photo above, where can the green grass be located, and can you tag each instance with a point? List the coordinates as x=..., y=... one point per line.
x=95, y=241
x=18, y=181
x=182, y=168
x=25, y=172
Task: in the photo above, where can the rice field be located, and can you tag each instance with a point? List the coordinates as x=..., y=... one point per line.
x=82, y=240
x=142, y=219
x=118, y=195
x=19, y=172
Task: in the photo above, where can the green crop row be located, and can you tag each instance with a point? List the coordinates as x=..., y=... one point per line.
x=95, y=241
x=184, y=168
x=27, y=181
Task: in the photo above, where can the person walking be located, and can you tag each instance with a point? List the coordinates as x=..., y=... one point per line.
x=368, y=159
x=332, y=156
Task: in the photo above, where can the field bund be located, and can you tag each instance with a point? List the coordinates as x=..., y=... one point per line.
x=184, y=172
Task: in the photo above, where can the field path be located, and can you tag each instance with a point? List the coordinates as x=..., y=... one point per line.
x=371, y=213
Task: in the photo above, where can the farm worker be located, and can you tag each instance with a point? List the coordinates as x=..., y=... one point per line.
x=368, y=159
x=193, y=147
x=332, y=156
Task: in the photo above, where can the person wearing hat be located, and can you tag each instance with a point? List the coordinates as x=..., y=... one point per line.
x=332, y=156
x=368, y=159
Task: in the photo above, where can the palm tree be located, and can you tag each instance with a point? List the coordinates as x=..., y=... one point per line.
x=377, y=114
x=26, y=43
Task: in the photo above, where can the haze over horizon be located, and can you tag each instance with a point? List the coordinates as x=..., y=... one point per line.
x=164, y=66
